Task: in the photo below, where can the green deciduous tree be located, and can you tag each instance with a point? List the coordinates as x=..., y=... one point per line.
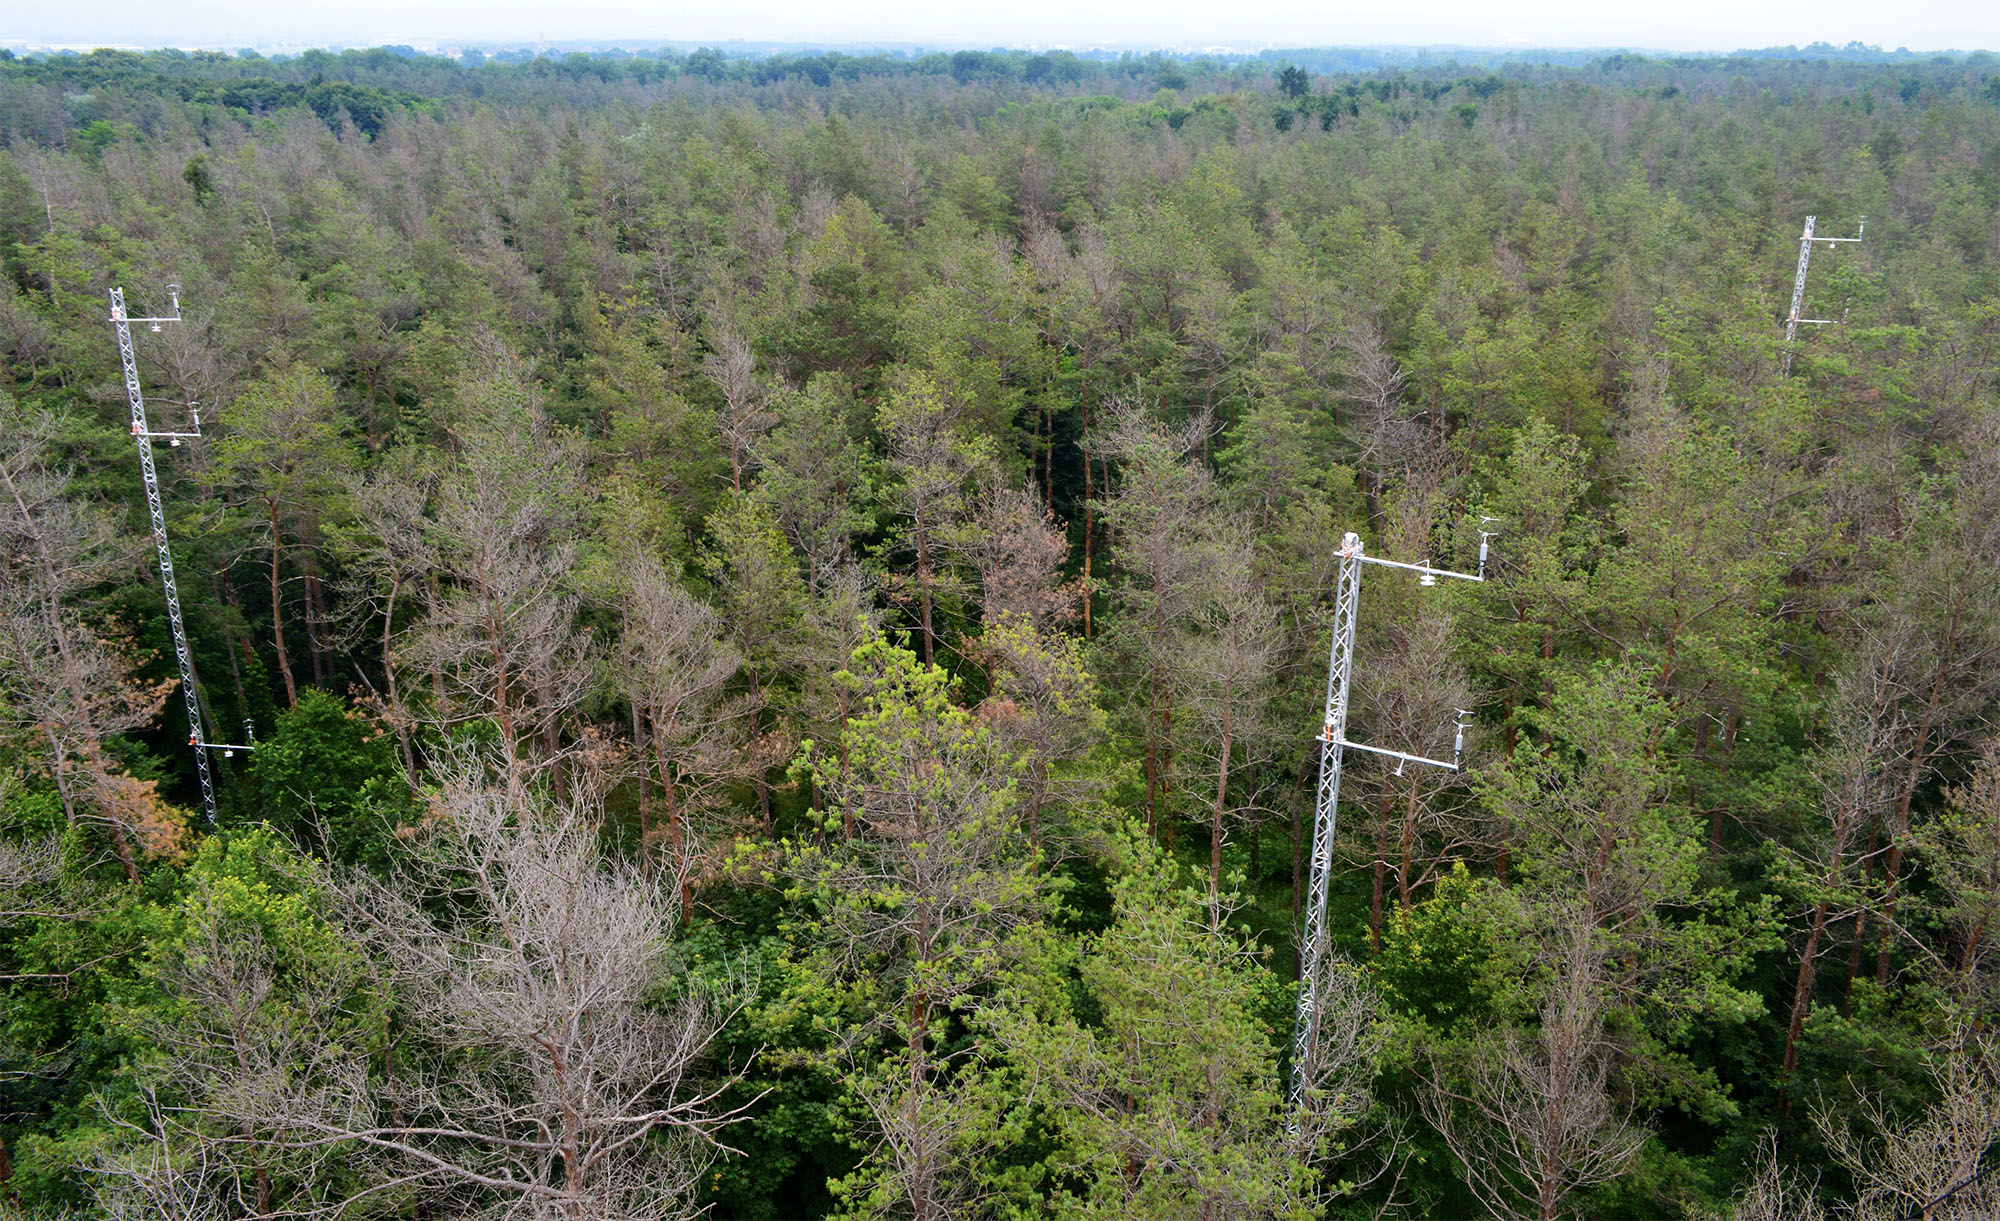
x=918, y=907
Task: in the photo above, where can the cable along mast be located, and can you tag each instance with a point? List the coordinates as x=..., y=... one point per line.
x=1792, y=320
x=121, y=322
x=1314, y=953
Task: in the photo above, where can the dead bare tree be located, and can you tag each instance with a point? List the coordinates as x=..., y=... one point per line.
x=1853, y=772
x=27, y=869
x=1338, y=1076
x=1228, y=654
x=674, y=665
x=531, y=964
x=501, y=639
x=1961, y=853
x=1532, y=1120
x=156, y=1178
x=1409, y=688
x=1772, y=1194
x=544, y=1062
x=66, y=683
x=1018, y=549
x=390, y=560
x=1944, y=605
x=1940, y=1165
x=743, y=418
x=1387, y=433
x=1156, y=516
x=1951, y=597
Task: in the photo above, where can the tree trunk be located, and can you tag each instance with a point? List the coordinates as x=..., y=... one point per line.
x=645, y=793
x=1221, y=799
x=1378, y=871
x=122, y=845
x=924, y=589
x=278, y=615
x=389, y=677
x=676, y=832
x=1409, y=846
x=218, y=581
x=1801, y=1004
x=315, y=618
x=1038, y=783
x=1860, y=937
x=1088, y=514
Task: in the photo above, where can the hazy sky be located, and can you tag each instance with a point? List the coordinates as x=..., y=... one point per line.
x=1711, y=25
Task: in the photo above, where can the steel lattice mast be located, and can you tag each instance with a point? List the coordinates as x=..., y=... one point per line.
x=1792, y=319
x=169, y=590
x=1314, y=953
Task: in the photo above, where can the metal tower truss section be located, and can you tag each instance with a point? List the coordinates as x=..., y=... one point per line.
x=1792, y=319
x=169, y=590
x=1315, y=958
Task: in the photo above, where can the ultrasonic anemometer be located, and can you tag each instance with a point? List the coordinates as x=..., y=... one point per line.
x=170, y=592
x=1333, y=741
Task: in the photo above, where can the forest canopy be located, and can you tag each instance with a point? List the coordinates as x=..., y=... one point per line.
x=781, y=610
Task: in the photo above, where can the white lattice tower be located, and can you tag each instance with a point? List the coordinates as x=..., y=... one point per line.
x=1314, y=952
x=1792, y=319
x=169, y=590
x=1312, y=938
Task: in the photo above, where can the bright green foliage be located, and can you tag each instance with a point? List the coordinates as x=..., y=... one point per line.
x=1434, y=964
x=1150, y=1050
x=234, y=977
x=1609, y=858
x=916, y=903
x=327, y=775
x=244, y=997
x=935, y=872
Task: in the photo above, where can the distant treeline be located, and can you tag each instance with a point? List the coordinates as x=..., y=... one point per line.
x=90, y=99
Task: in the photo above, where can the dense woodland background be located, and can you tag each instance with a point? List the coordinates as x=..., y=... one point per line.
x=784, y=607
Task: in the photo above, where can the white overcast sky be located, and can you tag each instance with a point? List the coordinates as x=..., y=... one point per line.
x=1690, y=25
